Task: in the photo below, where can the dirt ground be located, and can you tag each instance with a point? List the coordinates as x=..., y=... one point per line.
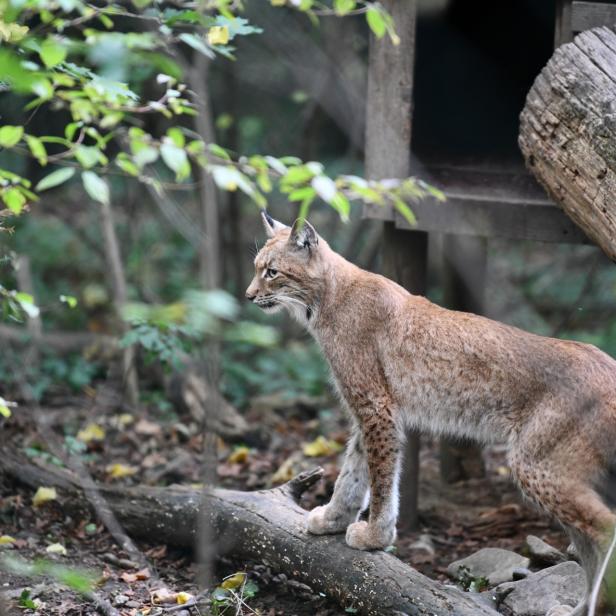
x=157, y=447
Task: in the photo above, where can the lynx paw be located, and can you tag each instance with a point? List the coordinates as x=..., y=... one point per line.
x=321, y=522
x=362, y=536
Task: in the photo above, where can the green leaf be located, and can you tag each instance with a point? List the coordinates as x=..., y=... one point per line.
x=197, y=43
x=126, y=164
x=342, y=7
x=10, y=135
x=37, y=148
x=88, y=156
x=95, y=186
x=52, y=53
x=14, y=199
x=175, y=158
x=375, y=20
x=55, y=178
x=177, y=136
x=69, y=300
x=24, y=599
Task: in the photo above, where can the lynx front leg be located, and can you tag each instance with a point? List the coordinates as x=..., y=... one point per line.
x=349, y=492
x=383, y=446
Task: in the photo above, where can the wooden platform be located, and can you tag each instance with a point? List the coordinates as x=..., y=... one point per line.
x=487, y=201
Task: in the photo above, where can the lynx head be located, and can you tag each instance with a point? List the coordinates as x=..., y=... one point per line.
x=288, y=269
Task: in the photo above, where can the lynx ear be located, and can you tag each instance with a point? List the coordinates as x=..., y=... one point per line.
x=303, y=235
x=271, y=226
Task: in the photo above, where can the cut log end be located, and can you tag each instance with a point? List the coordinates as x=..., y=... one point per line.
x=568, y=133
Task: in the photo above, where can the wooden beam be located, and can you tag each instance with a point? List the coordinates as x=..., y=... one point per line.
x=484, y=217
x=587, y=15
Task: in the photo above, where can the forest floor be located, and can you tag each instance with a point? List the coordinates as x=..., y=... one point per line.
x=157, y=447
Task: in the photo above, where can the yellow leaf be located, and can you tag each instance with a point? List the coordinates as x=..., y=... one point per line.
x=92, y=432
x=125, y=419
x=183, y=597
x=285, y=472
x=7, y=539
x=218, y=35
x=321, y=447
x=239, y=455
x=234, y=581
x=117, y=471
x=278, y=2
x=56, y=548
x=44, y=495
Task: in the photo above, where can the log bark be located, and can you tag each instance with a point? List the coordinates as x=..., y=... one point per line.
x=568, y=133
x=267, y=526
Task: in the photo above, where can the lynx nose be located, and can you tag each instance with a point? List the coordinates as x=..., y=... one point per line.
x=250, y=296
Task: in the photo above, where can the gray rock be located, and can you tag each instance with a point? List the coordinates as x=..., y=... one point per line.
x=120, y=600
x=495, y=564
x=520, y=573
x=563, y=584
x=543, y=554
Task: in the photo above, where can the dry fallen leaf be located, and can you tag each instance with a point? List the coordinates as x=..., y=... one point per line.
x=162, y=595
x=239, y=455
x=321, y=447
x=92, y=432
x=117, y=471
x=183, y=597
x=147, y=428
x=234, y=581
x=56, y=548
x=44, y=495
x=130, y=578
x=285, y=472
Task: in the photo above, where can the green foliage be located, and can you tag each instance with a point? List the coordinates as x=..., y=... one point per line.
x=469, y=582
x=72, y=371
x=167, y=332
x=297, y=368
x=75, y=579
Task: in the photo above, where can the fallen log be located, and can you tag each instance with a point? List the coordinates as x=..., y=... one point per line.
x=266, y=526
x=568, y=133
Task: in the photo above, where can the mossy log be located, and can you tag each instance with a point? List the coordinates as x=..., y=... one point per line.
x=568, y=133
x=266, y=526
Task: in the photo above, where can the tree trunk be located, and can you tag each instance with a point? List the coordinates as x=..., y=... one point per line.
x=267, y=526
x=568, y=133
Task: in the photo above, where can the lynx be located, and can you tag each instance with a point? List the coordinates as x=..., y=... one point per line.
x=399, y=361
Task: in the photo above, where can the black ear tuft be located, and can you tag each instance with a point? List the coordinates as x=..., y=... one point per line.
x=271, y=226
x=303, y=235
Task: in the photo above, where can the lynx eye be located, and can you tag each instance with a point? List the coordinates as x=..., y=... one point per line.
x=270, y=272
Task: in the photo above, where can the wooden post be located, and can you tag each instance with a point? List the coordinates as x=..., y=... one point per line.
x=388, y=154
x=464, y=279
x=562, y=24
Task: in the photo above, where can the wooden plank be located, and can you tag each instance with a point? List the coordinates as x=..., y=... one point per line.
x=464, y=215
x=587, y=15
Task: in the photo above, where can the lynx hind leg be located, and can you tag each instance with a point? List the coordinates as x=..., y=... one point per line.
x=349, y=492
x=555, y=487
